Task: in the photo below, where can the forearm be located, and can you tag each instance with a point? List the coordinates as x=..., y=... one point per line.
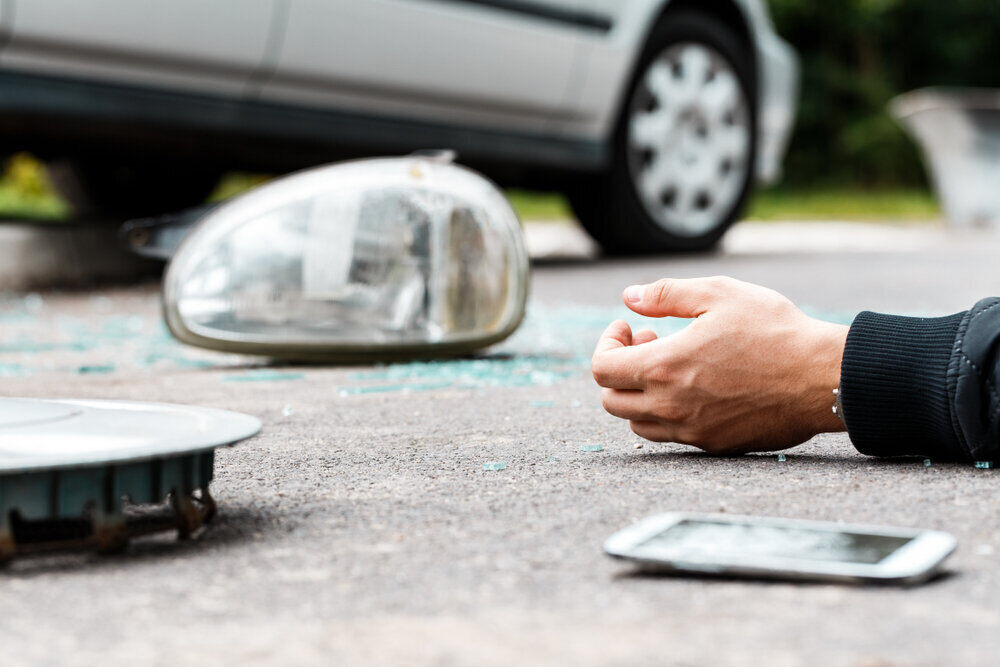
x=924, y=386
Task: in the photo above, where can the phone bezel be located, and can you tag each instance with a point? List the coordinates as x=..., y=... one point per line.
x=911, y=563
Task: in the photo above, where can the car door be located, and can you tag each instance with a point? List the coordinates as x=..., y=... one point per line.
x=181, y=44
x=481, y=62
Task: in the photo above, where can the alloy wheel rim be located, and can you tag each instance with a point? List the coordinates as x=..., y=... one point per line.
x=688, y=139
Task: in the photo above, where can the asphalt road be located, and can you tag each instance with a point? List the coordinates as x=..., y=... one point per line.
x=362, y=528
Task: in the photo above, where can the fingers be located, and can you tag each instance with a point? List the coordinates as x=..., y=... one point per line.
x=678, y=297
x=617, y=335
x=625, y=403
x=650, y=430
x=616, y=362
x=644, y=336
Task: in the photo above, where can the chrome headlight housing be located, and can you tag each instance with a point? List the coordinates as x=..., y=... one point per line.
x=367, y=259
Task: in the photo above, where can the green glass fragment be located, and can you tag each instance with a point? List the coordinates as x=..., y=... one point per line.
x=96, y=370
x=263, y=376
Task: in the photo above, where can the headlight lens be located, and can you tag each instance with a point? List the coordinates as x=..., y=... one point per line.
x=368, y=258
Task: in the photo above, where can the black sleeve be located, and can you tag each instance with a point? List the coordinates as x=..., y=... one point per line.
x=926, y=386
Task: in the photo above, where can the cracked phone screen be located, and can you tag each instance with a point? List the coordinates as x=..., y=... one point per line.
x=710, y=540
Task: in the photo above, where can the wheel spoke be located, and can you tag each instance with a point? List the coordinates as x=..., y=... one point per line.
x=657, y=178
x=729, y=142
x=660, y=82
x=650, y=130
x=720, y=96
x=683, y=205
x=695, y=65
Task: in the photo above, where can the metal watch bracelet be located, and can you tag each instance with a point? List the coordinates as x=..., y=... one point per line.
x=838, y=406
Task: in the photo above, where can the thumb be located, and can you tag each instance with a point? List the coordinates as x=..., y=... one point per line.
x=677, y=297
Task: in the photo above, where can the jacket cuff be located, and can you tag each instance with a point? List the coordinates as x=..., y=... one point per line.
x=894, y=389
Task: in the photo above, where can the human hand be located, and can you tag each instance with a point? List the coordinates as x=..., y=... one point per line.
x=751, y=372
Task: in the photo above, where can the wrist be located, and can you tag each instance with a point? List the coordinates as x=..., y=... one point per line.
x=826, y=356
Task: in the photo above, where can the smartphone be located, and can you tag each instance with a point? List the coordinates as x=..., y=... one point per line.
x=759, y=547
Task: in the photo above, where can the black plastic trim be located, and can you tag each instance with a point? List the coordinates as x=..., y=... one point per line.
x=28, y=95
x=573, y=17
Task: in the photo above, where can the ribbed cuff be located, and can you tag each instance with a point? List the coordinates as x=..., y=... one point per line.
x=894, y=388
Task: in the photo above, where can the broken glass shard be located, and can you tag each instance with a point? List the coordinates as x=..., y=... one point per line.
x=263, y=376
x=96, y=370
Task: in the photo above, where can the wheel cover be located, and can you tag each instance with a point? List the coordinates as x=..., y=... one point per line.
x=688, y=139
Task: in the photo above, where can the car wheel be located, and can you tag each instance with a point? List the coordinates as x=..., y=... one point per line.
x=95, y=188
x=683, y=153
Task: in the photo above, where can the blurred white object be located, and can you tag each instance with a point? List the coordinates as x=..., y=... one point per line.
x=37, y=435
x=372, y=258
x=959, y=133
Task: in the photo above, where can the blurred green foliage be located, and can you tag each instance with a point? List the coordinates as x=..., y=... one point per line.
x=26, y=192
x=837, y=203
x=855, y=56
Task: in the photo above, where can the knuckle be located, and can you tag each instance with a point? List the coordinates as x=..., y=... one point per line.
x=675, y=413
x=656, y=369
x=686, y=379
x=660, y=290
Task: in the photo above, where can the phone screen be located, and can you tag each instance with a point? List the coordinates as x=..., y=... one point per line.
x=718, y=539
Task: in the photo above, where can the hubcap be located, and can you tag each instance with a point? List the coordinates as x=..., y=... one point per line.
x=688, y=139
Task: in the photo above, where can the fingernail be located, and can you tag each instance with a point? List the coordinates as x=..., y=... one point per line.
x=633, y=294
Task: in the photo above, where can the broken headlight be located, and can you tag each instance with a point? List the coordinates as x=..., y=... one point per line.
x=373, y=258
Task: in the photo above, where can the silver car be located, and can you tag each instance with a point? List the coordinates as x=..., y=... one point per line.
x=653, y=116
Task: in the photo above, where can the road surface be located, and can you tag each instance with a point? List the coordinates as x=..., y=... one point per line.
x=361, y=527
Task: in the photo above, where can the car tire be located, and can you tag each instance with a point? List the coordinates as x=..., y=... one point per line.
x=99, y=189
x=684, y=149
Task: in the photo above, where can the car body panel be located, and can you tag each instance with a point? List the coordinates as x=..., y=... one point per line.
x=187, y=45
x=464, y=62
x=6, y=21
